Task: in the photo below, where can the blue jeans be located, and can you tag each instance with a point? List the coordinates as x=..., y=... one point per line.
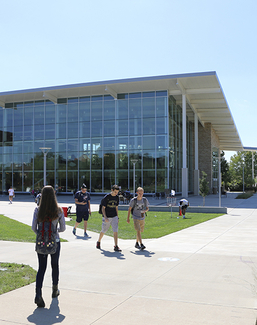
x=42, y=264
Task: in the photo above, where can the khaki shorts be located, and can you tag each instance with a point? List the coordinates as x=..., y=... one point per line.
x=139, y=225
x=112, y=222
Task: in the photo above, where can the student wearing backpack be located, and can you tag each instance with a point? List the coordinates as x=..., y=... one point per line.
x=138, y=207
x=110, y=216
x=48, y=211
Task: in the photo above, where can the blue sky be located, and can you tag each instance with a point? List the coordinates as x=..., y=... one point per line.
x=58, y=42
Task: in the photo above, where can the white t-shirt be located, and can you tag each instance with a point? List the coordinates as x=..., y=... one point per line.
x=183, y=202
x=11, y=191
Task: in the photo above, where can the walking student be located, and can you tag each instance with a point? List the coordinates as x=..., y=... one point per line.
x=183, y=204
x=11, y=194
x=110, y=216
x=83, y=210
x=48, y=210
x=138, y=207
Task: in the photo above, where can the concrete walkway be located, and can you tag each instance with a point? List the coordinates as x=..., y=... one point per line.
x=206, y=274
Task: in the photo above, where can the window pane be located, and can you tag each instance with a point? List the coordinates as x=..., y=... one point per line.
x=135, y=142
x=84, y=111
x=28, y=132
x=18, y=132
x=28, y=115
x=109, y=128
x=96, y=160
x=50, y=114
x=84, y=129
x=61, y=130
x=122, y=128
x=148, y=159
x=84, y=160
x=149, y=142
x=61, y=113
x=96, y=181
x=149, y=126
x=135, y=108
x=149, y=181
x=96, y=129
x=96, y=111
x=135, y=127
x=161, y=125
x=39, y=115
x=122, y=109
x=148, y=107
x=18, y=116
x=72, y=113
x=109, y=110
x=109, y=144
x=72, y=181
x=109, y=179
x=72, y=130
x=50, y=131
x=39, y=132
x=161, y=106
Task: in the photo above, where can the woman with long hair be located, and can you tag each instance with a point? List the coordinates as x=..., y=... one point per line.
x=48, y=210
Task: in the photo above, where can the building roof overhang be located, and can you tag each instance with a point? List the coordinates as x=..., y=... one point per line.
x=203, y=91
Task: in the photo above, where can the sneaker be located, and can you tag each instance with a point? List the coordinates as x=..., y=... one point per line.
x=74, y=231
x=137, y=245
x=142, y=247
x=98, y=245
x=86, y=235
x=117, y=249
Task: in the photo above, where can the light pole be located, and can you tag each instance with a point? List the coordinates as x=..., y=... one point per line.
x=45, y=152
x=134, y=161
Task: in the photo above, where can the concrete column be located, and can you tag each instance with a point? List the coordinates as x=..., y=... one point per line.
x=184, y=150
x=196, y=171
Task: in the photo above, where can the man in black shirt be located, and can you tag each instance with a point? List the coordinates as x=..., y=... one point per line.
x=82, y=200
x=110, y=216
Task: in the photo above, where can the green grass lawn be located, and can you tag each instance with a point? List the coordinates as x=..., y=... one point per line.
x=157, y=224
x=13, y=230
x=14, y=276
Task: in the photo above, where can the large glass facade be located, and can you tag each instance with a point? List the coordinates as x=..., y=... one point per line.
x=93, y=140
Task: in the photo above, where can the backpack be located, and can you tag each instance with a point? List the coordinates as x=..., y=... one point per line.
x=101, y=205
x=135, y=202
x=46, y=238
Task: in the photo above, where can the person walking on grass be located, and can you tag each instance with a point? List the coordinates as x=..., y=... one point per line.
x=83, y=210
x=48, y=210
x=138, y=207
x=110, y=216
x=11, y=194
x=183, y=204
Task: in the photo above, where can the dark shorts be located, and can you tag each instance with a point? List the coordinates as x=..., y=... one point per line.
x=82, y=214
x=183, y=208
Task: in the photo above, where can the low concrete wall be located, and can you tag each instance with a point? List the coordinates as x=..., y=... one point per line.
x=192, y=209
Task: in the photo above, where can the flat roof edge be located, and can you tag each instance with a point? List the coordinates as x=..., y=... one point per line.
x=115, y=81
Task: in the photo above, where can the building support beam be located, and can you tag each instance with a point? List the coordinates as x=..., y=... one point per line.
x=196, y=171
x=111, y=91
x=50, y=97
x=184, y=149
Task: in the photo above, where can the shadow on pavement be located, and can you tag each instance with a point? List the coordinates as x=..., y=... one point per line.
x=117, y=255
x=43, y=316
x=145, y=253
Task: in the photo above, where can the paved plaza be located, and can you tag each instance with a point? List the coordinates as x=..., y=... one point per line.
x=203, y=275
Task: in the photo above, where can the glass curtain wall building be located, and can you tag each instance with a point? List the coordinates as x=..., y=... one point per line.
x=93, y=140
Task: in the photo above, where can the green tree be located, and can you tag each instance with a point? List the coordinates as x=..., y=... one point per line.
x=203, y=186
x=225, y=172
x=237, y=162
